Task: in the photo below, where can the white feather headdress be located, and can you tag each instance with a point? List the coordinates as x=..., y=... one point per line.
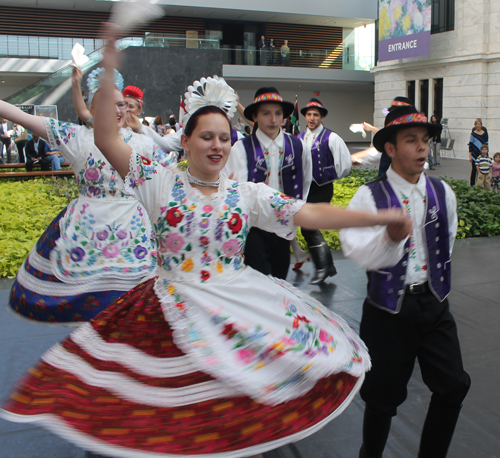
x=211, y=91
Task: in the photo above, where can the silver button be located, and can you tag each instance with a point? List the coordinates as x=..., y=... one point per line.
x=295, y=187
x=438, y=251
x=298, y=196
x=401, y=292
x=437, y=239
x=254, y=170
x=438, y=265
x=293, y=177
x=405, y=263
x=402, y=277
x=293, y=167
x=442, y=278
x=407, y=250
x=253, y=179
x=437, y=225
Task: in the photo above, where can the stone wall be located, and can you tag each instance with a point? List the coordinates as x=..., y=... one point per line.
x=163, y=74
x=468, y=60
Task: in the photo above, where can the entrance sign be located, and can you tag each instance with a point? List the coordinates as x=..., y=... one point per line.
x=404, y=29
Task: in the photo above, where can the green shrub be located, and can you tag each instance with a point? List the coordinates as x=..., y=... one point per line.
x=343, y=191
x=27, y=209
x=478, y=210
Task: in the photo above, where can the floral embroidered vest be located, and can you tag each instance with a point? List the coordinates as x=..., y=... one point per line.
x=386, y=287
x=322, y=160
x=291, y=169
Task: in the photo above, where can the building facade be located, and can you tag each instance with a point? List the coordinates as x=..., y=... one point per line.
x=459, y=80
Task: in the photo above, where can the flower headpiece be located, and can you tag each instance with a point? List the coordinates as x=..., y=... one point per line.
x=94, y=81
x=135, y=92
x=211, y=91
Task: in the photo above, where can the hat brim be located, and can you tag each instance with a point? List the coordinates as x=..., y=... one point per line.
x=384, y=135
x=252, y=108
x=322, y=111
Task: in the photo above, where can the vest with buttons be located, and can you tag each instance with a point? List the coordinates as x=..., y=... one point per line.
x=386, y=287
x=291, y=167
x=323, y=164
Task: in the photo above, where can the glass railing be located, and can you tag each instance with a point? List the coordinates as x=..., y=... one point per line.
x=305, y=58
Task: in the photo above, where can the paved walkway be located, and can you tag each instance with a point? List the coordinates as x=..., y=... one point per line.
x=475, y=301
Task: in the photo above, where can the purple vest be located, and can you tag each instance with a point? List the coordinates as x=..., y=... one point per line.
x=291, y=168
x=322, y=160
x=386, y=287
x=234, y=136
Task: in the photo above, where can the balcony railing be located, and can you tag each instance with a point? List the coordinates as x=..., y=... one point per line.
x=60, y=48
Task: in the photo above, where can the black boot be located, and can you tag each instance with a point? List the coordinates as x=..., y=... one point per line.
x=323, y=261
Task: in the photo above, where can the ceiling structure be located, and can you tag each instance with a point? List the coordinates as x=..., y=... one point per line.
x=203, y=12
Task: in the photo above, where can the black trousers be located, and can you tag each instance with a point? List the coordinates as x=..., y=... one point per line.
x=473, y=174
x=267, y=253
x=317, y=194
x=424, y=330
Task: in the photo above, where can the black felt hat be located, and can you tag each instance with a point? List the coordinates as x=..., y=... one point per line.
x=314, y=103
x=268, y=95
x=401, y=117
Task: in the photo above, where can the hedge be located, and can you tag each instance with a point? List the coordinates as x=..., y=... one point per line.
x=29, y=206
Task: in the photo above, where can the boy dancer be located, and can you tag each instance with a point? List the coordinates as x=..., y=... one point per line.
x=278, y=159
x=406, y=313
x=331, y=160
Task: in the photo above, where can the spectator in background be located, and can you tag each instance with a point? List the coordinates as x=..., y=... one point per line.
x=484, y=163
x=240, y=126
x=248, y=131
x=176, y=124
x=436, y=141
x=285, y=54
x=54, y=158
x=172, y=125
x=495, y=173
x=159, y=127
x=262, y=45
x=21, y=138
x=272, y=48
x=6, y=132
x=35, y=153
x=478, y=137
x=145, y=122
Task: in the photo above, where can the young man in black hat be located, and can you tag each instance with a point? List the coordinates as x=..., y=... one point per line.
x=406, y=313
x=331, y=160
x=278, y=159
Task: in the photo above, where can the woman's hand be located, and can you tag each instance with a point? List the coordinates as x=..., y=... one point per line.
x=111, y=56
x=76, y=77
x=133, y=122
x=399, y=226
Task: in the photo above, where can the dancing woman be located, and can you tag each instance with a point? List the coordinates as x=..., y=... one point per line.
x=211, y=357
x=102, y=244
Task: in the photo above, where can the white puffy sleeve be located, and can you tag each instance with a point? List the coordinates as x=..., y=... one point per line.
x=148, y=181
x=369, y=247
x=270, y=210
x=341, y=155
x=66, y=138
x=236, y=166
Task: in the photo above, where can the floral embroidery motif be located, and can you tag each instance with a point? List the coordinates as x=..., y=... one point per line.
x=413, y=247
x=94, y=246
x=281, y=203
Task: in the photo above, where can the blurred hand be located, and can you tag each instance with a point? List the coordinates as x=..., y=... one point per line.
x=133, y=122
x=76, y=76
x=399, y=226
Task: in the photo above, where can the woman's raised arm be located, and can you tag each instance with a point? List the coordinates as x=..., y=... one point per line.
x=17, y=116
x=106, y=135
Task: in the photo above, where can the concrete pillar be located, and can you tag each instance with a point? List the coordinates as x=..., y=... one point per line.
x=431, y=98
x=417, y=94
